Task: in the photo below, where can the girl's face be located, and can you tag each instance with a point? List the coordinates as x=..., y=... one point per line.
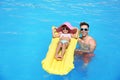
x=65, y=30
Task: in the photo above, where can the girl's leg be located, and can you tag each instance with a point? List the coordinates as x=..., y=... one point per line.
x=64, y=47
x=58, y=49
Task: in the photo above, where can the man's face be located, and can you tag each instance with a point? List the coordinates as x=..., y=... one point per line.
x=84, y=30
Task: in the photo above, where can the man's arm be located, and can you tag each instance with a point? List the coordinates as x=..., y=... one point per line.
x=92, y=45
x=80, y=41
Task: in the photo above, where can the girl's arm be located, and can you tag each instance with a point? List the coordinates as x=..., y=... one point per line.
x=75, y=35
x=55, y=35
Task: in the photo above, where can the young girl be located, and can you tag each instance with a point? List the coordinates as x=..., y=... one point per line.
x=65, y=33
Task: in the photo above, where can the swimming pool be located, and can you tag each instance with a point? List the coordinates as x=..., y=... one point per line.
x=25, y=34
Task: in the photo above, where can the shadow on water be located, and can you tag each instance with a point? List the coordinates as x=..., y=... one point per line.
x=79, y=69
x=2, y=77
x=53, y=77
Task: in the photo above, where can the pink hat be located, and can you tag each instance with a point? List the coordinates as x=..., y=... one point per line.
x=69, y=26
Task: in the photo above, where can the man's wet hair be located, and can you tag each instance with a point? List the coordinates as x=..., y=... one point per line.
x=84, y=23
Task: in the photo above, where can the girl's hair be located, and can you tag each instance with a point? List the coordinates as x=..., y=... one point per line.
x=65, y=27
x=60, y=29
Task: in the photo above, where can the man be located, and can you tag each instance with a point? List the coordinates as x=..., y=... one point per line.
x=87, y=44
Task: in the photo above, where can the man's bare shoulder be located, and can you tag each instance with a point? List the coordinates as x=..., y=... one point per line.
x=92, y=39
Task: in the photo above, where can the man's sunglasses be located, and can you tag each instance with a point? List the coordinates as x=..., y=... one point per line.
x=84, y=29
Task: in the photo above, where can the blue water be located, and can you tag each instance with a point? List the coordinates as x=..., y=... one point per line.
x=25, y=34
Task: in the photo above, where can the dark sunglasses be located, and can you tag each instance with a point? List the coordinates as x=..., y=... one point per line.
x=64, y=28
x=84, y=29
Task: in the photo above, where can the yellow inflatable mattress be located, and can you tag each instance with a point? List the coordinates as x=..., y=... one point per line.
x=52, y=66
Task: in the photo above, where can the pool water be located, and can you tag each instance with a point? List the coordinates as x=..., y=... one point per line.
x=25, y=35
